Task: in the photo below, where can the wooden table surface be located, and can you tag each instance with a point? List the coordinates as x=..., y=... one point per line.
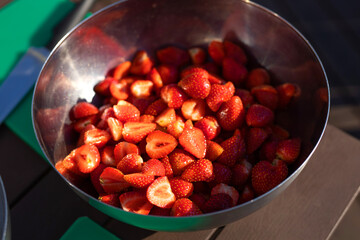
x=44, y=207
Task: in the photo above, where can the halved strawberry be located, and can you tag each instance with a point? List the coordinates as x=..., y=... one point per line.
x=184, y=207
x=259, y=116
x=279, y=133
x=153, y=167
x=167, y=117
x=136, y=202
x=193, y=140
x=240, y=174
x=160, y=194
x=111, y=199
x=141, y=103
x=134, y=132
x=103, y=87
x=199, y=199
x=168, y=73
x=286, y=92
x=69, y=175
x=181, y=188
x=83, y=109
x=268, y=150
x=197, y=84
x=212, y=68
x=120, y=89
x=141, y=64
x=112, y=180
x=80, y=124
x=197, y=55
x=124, y=148
x=233, y=71
x=229, y=190
x=209, y=126
x=257, y=77
x=87, y=158
x=147, y=118
x=177, y=127
x=231, y=114
x=166, y=163
x=179, y=159
x=141, y=88
x=247, y=194
x=155, y=77
x=160, y=144
x=107, y=156
x=97, y=137
x=200, y=170
x=126, y=112
x=95, y=178
x=234, y=149
x=219, y=94
x=216, y=51
x=173, y=56
x=139, y=180
x=245, y=96
x=69, y=163
x=131, y=163
x=288, y=150
x=156, y=107
x=266, y=95
x=255, y=137
x=217, y=202
x=115, y=127
x=213, y=150
x=193, y=109
x=173, y=95
x=222, y=174
x=122, y=70
x=235, y=52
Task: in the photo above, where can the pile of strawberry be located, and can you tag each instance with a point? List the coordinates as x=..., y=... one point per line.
x=193, y=134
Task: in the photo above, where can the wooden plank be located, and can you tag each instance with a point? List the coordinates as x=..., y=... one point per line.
x=197, y=235
x=311, y=206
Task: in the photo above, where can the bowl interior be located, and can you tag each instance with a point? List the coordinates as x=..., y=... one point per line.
x=113, y=35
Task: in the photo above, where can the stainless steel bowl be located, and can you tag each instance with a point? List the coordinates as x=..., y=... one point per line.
x=113, y=35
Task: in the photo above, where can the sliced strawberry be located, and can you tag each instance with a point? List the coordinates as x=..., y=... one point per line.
x=154, y=167
x=279, y=133
x=103, y=87
x=80, y=124
x=222, y=174
x=158, y=211
x=156, y=79
x=255, y=137
x=181, y=188
x=110, y=199
x=231, y=114
x=193, y=109
x=214, y=79
x=234, y=149
x=122, y=70
x=217, y=202
x=234, y=71
x=177, y=127
x=168, y=73
x=120, y=89
x=147, y=118
x=245, y=96
x=69, y=175
x=159, y=193
x=173, y=56
x=213, y=150
x=105, y=113
x=200, y=170
x=184, y=207
x=268, y=150
x=134, y=132
x=83, y=109
x=247, y=194
x=126, y=112
x=135, y=202
x=212, y=68
x=197, y=55
x=209, y=126
x=141, y=88
x=229, y=190
x=197, y=84
x=141, y=103
x=107, y=156
x=131, y=163
x=216, y=51
x=193, y=140
x=97, y=137
x=257, y=77
x=240, y=174
x=160, y=144
x=199, y=199
x=168, y=169
x=141, y=64
x=95, y=178
x=156, y=107
x=124, y=148
x=167, y=117
x=259, y=116
x=288, y=150
x=266, y=95
x=219, y=94
x=286, y=92
x=87, y=158
x=112, y=180
x=173, y=95
x=116, y=128
x=179, y=160
x=139, y=180
x=235, y=52
x=69, y=163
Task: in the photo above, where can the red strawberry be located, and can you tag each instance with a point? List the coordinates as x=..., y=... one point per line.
x=168, y=169
x=155, y=77
x=197, y=55
x=245, y=96
x=80, y=124
x=134, y=132
x=159, y=193
x=95, y=178
x=173, y=56
x=286, y=92
x=156, y=107
x=265, y=175
x=209, y=126
x=219, y=94
x=141, y=103
x=96, y=137
x=115, y=127
x=259, y=116
x=247, y=194
x=266, y=95
x=136, y=202
x=193, y=109
x=181, y=188
x=122, y=70
x=83, y=109
x=103, y=87
x=87, y=158
x=158, y=211
x=126, y=112
x=268, y=150
x=196, y=85
x=234, y=149
x=165, y=118
x=217, y=202
x=199, y=199
x=120, y=89
x=110, y=199
x=214, y=79
x=141, y=88
x=184, y=207
x=240, y=173
x=69, y=163
x=279, y=133
x=153, y=167
x=235, y=52
x=82, y=134
x=193, y=140
x=139, y=180
x=141, y=64
x=147, y=118
x=124, y=148
x=131, y=163
x=200, y=170
x=168, y=73
x=216, y=51
x=179, y=160
x=288, y=150
x=212, y=68
x=222, y=174
x=233, y=71
x=160, y=144
x=213, y=150
x=69, y=175
x=107, y=156
x=229, y=190
x=173, y=95
x=177, y=127
x=254, y=139
x=257, y=77
x=231, y=114
x=112, y=180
